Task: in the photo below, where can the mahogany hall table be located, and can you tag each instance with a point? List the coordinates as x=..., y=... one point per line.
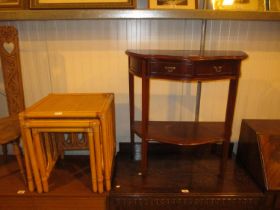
x=89, y=114
x=186, y=66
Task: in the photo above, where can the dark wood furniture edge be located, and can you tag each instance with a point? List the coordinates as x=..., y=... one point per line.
x=258, y=153
x=190, y=55
x=251, y=150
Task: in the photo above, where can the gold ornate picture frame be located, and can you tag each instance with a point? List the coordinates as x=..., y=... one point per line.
x=81, y=4
x=274, y=5
x=11, y=4
x=172, y=4
x=238, y=5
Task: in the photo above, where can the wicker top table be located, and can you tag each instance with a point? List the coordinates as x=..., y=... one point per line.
x=70, y=106
x=92, y=114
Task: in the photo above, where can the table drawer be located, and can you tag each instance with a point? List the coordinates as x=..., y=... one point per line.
x=170, y=69
x=215, y=68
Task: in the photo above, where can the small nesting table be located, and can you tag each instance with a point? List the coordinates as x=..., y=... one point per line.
x=89, y=114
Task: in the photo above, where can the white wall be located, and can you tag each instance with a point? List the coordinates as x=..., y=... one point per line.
x=88, y=56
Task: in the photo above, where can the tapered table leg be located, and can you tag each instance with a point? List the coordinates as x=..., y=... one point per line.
x=131, y=113
x=92, y=161
x=34, y=164
x=145, y=120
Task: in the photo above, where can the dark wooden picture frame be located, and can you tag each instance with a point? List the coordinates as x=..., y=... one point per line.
x=82, y=4
x=11, y=4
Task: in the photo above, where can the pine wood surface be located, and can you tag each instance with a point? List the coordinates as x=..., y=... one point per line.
x=91, y=114
x=47, y=156
x=69, y=105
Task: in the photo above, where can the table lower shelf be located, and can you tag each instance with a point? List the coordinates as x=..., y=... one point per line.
x=183, y=133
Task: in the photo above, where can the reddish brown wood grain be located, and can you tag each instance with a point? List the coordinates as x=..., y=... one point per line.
x=259, y=151
x=184, y=65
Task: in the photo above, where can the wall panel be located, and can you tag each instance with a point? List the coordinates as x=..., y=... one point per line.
x=88, y=56
x=258, y=95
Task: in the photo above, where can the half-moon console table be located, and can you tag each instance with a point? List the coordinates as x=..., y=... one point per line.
x=184, y=66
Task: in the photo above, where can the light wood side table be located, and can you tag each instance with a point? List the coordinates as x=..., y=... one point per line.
x=90, y=114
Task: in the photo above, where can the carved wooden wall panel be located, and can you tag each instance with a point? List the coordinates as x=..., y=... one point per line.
x=10, y=59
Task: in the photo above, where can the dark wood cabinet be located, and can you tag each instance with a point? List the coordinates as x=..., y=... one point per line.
x=184, y=66
x=259, y=153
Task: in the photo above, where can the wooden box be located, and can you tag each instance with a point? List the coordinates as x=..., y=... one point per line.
x=259, y=153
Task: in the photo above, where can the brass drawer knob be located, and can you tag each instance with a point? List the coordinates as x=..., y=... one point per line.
x=170, y=69
x=218, y=69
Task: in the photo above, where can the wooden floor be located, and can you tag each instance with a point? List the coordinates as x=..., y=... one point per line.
x=175, y=181
x=70, y=188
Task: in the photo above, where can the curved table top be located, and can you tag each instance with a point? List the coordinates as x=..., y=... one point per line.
x=192, y=55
